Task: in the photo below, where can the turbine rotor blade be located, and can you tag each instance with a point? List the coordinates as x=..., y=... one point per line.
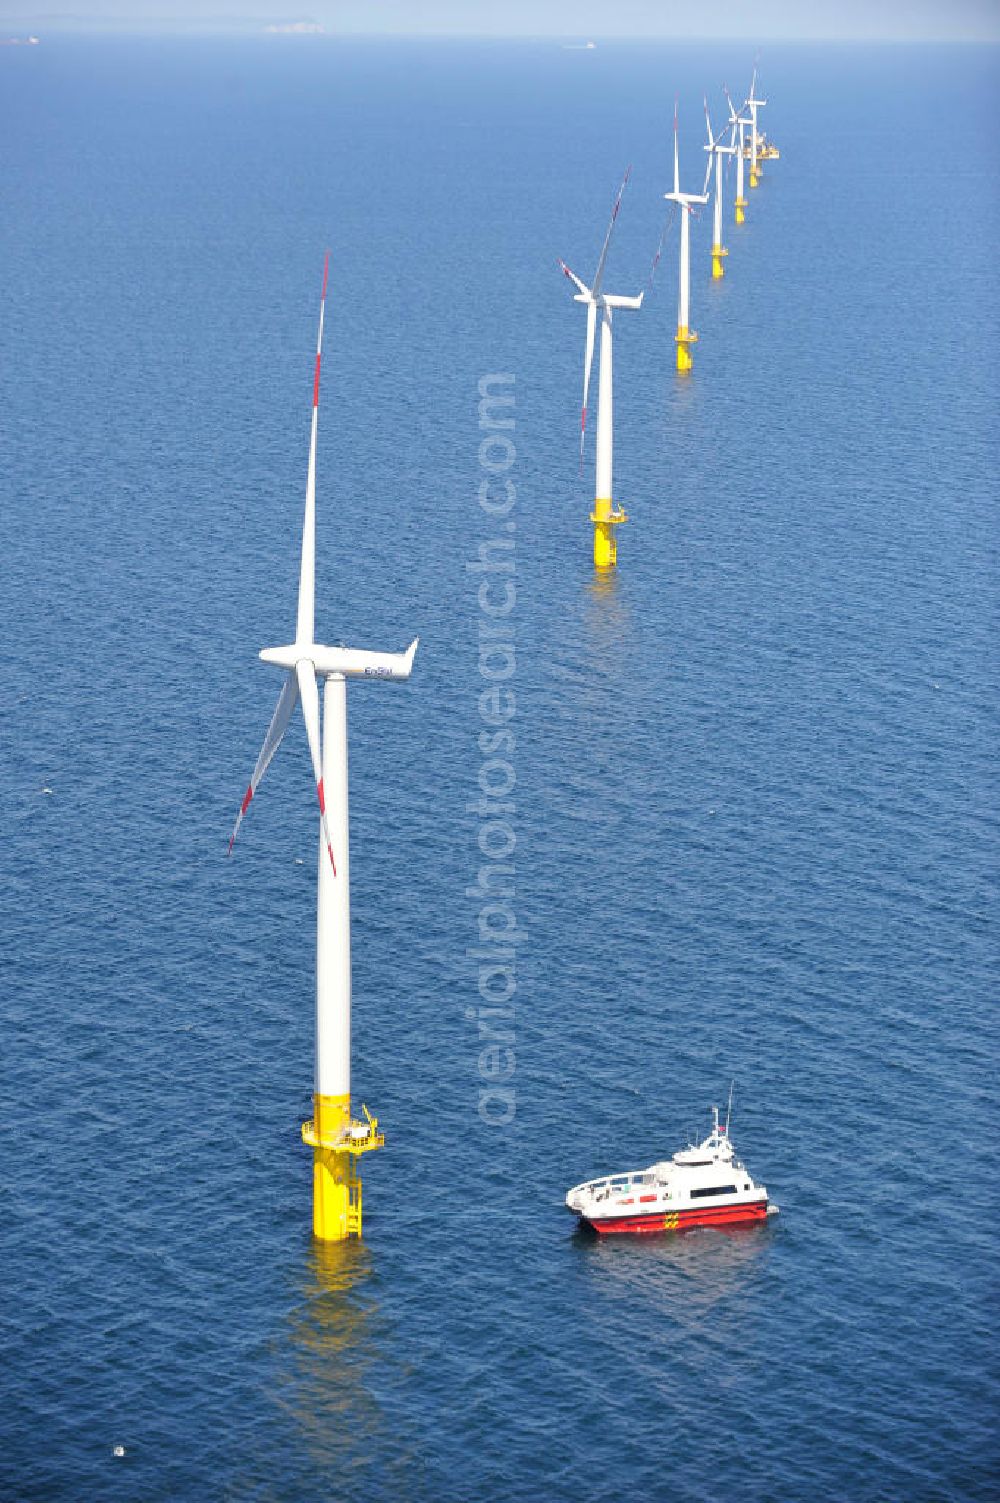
x=305, y=674
x=659, y=249
x=305, y=621
x=572, y=277
x=677, y=167
x=588, y=361
x=607, y=239
x=735, y=116
x=279, y=722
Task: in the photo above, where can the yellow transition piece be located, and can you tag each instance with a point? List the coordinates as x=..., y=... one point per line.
x=336, y=1140
x=606, y=517
x=685, y=339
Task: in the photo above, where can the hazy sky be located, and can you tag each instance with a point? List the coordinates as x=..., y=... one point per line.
x=757, y=20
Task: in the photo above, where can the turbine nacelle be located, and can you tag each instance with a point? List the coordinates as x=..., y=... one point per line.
x=623, y=302
x=687, y=199
x=347, y=662
x=609, y=300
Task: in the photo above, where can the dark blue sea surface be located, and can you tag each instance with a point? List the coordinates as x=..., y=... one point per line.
x=756, y=813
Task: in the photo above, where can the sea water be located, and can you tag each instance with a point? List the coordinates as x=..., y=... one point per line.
x=754, y=815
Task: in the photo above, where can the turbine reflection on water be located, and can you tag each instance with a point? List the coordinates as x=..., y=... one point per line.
x=333, y=1346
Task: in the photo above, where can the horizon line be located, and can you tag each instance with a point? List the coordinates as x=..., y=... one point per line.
x=567, y=40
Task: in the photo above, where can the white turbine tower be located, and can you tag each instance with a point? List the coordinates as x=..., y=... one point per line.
x=335, y=1137
x=605, y=515
x=738, y=123
x=716, y=151
x=686, y=336
x=754, y=104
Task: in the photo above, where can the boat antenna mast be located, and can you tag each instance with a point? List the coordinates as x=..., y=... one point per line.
x=729, y=1108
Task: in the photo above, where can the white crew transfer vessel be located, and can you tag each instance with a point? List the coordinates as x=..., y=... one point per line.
x=705, y=1185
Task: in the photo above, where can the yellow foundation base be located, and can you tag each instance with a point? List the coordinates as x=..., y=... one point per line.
x=337, y=1140
x=606, y=518
x=685, y=338
x=754, y=179
x=336, y=1197
x=741, y=204
x=718, y=270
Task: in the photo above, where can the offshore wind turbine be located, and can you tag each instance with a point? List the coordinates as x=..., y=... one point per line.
x=754, y=104
x=739, y=123
x=605, y=516
x=686, y=336
x=335, y=1136
x=716, y=151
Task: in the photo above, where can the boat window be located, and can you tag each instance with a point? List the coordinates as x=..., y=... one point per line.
x=621, y=1179
x=713, y=1190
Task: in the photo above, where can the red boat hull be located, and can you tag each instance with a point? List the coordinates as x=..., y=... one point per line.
x=679, y=1221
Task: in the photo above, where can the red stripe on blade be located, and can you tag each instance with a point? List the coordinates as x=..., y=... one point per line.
x=246, y=801
x=322, y=798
